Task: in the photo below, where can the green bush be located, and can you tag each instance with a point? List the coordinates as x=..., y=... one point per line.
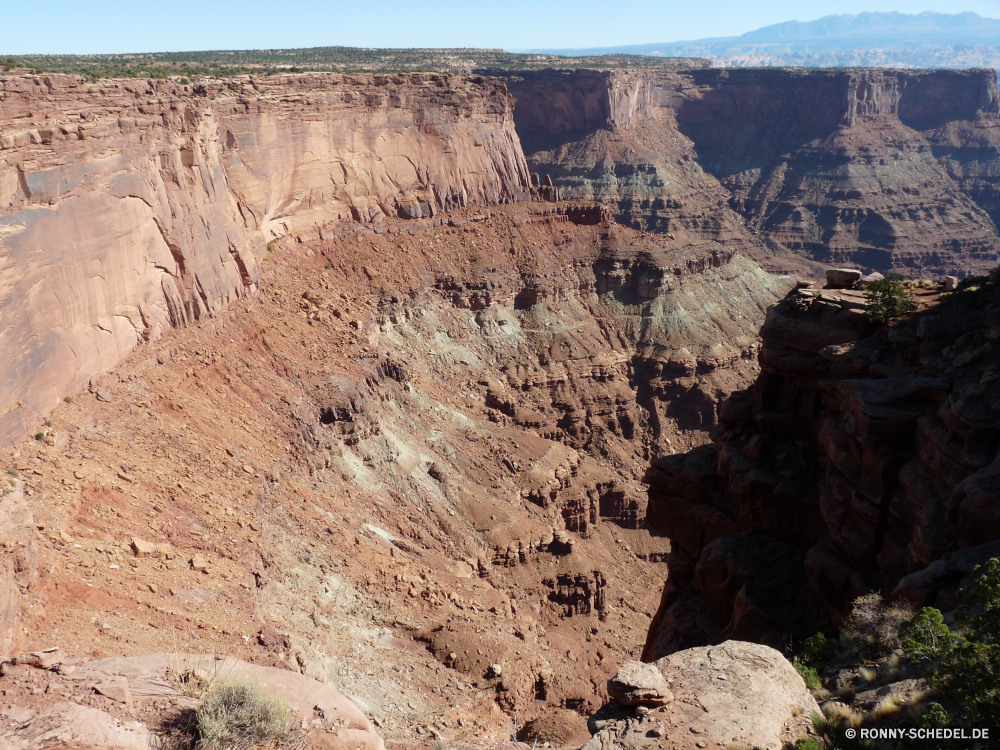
x=967, y=662
x=805, y=743
x=816, y=648
x=39, y=436
x=238, y=714
x=935, y=716
x=886, y=299
x=809, y=675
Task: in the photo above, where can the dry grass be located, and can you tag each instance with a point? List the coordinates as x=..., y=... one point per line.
x=889, y=706
x=838, y=713
x=196, y=673
x=239, y=714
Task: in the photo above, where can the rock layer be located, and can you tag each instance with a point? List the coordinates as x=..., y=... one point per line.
x=884, y=169
x=127, y=207
x=862, y=459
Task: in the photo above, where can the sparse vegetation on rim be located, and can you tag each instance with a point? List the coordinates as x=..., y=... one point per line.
x=886, y=299
x=220, y=63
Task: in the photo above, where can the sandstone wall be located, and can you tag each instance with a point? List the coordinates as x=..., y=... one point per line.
x=130, y=206
x=884, y=169
x=861, y=460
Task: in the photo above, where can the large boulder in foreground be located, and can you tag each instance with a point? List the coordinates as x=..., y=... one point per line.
x=735, y=693
x=133, y=692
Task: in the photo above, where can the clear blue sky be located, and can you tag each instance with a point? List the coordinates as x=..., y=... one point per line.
x=174, y=25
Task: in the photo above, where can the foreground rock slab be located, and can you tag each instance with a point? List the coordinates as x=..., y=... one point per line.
x=145, y=698
x=736, y=693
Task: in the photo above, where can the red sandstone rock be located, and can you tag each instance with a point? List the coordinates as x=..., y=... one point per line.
x=155, y=201
x=734, y=693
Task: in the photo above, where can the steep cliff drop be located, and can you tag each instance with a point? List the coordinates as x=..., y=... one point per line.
x=408, y=465
x=127, y=207
x=889, y=170
x=862, y=459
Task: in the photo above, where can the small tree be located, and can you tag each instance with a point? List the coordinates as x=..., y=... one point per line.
x=926, y=636
x=886, y=299
x=968, y=662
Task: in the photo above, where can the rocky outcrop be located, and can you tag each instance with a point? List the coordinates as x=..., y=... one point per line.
x=861, y=456
x=884, y=169
x=128, y=207
x=733, y=694
x=612, y=136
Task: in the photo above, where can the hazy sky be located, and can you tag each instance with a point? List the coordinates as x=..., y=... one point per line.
x=139, y=26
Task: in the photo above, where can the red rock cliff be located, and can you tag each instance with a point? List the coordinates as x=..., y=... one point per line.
x=861, y=460
x=130, y=206
x=885, y=169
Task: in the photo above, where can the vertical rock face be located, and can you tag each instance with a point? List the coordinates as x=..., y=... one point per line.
x=130, y=206
x=885, y=169
x=613, y=137
x=861, y=460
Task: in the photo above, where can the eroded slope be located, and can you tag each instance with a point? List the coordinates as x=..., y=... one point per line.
x=393, y=476
x=890, y=170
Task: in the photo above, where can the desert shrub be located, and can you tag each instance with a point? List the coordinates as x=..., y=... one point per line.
x=805, y=743
x=809, y=675
x=886, y=299
x=816, y=648
x=39, y=436
x=238, y=714
x=967, y=662
x=935, y=716
x=871, y=630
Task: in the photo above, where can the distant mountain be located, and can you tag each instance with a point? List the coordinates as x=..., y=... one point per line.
x=936, y=40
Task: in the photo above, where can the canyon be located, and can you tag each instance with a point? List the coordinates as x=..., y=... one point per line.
x=422, y=385
x=885, y=170
x=862, y=459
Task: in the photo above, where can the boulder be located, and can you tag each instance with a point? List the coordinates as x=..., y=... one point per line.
x=842, y=278
x=638, y=684
x=735, y=693
x=142, y=548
